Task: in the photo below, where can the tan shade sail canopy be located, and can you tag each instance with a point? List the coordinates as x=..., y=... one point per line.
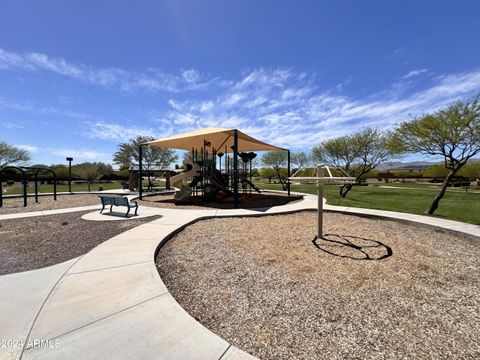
x=220, y=139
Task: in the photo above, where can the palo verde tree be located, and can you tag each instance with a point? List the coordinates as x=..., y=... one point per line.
x=267, y=173
x=277, y=160
x=10, y=154
x=437, y=171
x=300, y=160
x=471, y=170
x=452, y=133
x=356, y=154
x=127, y=155
x=90, y=171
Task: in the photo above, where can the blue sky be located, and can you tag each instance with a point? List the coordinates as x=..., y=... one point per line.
x=79, y=77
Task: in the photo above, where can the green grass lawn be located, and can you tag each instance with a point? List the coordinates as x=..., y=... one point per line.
x=455, y=205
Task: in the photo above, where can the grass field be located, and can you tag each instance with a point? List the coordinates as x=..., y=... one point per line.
x=409, y=198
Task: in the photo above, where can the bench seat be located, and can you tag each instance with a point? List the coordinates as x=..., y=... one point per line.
x=118, y=201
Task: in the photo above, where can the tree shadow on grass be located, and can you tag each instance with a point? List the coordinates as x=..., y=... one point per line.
x=352, y=247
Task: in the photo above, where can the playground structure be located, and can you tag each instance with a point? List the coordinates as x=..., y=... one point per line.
x=207, y=147
x=26, y=172
x=320, y=179
x=208, y=181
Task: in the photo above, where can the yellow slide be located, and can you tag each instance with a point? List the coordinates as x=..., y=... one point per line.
x=176, y=181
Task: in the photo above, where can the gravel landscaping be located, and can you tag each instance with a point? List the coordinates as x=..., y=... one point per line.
x=36, y=242
x=374, y=289
x=263, y=200
x=15, y=205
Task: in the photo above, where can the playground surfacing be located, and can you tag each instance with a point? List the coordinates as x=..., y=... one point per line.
x=15, y=205
x=36, y=242
x=247, y=201
x=390, y=291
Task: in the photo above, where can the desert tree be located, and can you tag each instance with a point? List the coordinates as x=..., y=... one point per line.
x=471, y=170
x=436, y=171
x=277, y=160
x=127, y=155
x=91, y=171
x=356, y=154
x=10, y=154
x=452, y=133
x=267, y=173
x=300, y=160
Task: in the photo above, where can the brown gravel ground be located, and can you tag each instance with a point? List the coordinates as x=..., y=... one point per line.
x=262, y=284
x=36, y=242
x=15, y=205
x=245, y=202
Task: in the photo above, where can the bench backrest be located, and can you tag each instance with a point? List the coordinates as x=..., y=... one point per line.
x=106, y=200
x=120, y=201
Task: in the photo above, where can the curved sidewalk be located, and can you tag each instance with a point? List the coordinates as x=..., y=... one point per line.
x=111, y=302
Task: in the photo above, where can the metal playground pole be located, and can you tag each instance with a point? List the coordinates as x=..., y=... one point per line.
x=321, y=179
x=320, y=175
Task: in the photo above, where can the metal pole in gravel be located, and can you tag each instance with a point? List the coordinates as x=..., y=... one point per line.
x=320, y=175
x=140, y=175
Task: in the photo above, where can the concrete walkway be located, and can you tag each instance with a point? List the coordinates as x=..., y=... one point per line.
x=112, y=304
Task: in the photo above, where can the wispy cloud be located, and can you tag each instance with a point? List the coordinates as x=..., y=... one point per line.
x=414, y=73
x=279, y=105
x=116, y=132
x=27, y=106
x=80, y=155
x=10, y=125
x=285, y=107
x=29, y=148
x=153, y=80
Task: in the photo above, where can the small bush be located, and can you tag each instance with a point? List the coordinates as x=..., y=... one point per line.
x=460, y=183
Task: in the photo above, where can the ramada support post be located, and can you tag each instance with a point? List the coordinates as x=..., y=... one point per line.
x=288, y=172
x=235, y=169
x=36, y=186
x=25, y=184
x=140, y=175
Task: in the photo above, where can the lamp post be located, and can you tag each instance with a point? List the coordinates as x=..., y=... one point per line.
x=69, y=159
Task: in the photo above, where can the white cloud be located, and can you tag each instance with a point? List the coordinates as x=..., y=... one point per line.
x=191, y=75
x=28, y=148
x=206, y=106
x=31, y=108
x=116, y=132
x=285, y=108
x=281, y=106
x=10, y=125
x=414, y=73
x=80, y=155
x=152, y=80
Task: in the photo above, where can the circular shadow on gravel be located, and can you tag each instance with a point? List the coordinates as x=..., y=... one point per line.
x=352, y=247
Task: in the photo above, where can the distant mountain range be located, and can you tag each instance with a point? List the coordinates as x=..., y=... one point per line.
x=409, y=165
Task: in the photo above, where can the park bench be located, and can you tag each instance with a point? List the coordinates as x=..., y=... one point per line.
x=117, y=201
